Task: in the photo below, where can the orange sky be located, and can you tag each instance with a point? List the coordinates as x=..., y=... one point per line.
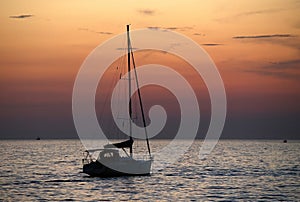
x=255, y=45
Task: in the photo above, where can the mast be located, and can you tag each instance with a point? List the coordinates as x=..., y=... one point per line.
x=129, y=88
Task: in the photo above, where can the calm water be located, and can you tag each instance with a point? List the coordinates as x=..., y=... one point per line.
x=235, y=170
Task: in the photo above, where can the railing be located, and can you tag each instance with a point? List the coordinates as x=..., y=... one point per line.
x=87, y=158
x=142, y=157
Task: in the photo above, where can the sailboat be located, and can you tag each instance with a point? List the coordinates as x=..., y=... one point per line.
x=109, y=162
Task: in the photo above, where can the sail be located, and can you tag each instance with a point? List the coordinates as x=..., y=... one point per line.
x=124, y=144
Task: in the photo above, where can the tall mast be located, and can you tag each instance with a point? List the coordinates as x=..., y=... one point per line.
x=129, y=87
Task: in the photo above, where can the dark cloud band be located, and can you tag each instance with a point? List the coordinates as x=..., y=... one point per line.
x=264, y=36
x=211, y=44
x=21, y=16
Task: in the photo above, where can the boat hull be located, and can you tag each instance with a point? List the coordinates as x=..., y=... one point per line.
x=118, y=168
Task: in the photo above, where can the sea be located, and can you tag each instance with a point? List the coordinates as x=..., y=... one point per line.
x=236, y=170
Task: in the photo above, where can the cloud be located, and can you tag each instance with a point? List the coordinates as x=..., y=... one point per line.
x=105, y=33
x=278, y=74
x=249, y=13
x=178, y=28
x=212, y=44
x=154, y=28
x=171, y=28
x=258, y=12
x=288, y=40
x=290, y=64
x=264, y=36
x=289, y=69
x=92, y=31
x=293, y=5
x=146, y=12
x=199, y=34
x=21, y=16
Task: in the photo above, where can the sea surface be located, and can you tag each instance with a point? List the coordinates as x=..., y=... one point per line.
x=236, y=170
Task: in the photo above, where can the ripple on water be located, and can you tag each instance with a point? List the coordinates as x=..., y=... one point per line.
x=235, y=170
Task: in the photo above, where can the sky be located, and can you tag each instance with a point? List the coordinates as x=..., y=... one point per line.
x=254, y=44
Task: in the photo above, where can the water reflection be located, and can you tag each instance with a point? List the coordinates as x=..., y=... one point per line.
x=252, y=170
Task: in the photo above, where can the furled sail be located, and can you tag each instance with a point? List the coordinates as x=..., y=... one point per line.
x=124, y=144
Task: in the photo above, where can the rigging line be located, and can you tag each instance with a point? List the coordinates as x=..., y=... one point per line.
x=115, y=74
x=140, y=100
x=129, y=87
x=122, y=88
x=118, y=132
x=113, y=130
x=120, y=73
x=101, y=117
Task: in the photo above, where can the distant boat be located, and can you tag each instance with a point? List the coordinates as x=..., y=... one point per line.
x=38, y=138
x=109, y=162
